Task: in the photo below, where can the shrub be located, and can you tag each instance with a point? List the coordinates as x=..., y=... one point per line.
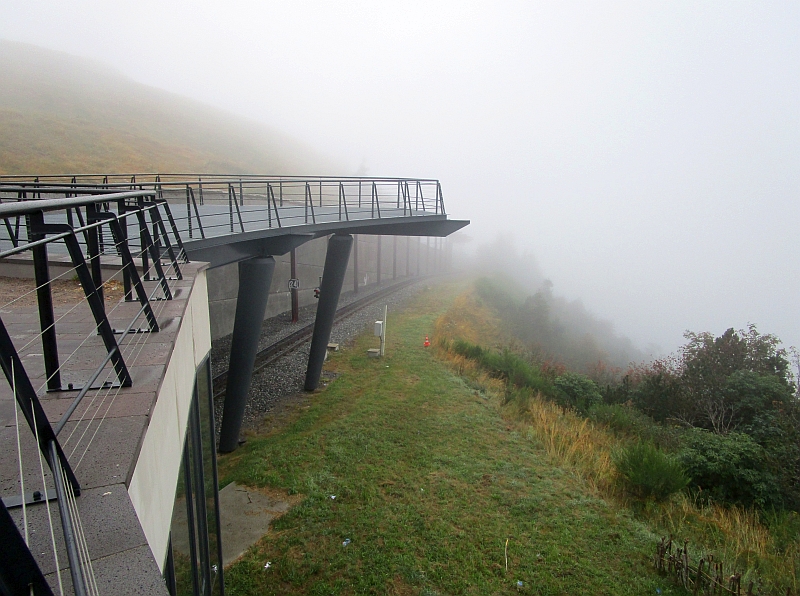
x=731, y=468
x=577, y=391
x=649, y=472
x=506, y=365
x=628, y=421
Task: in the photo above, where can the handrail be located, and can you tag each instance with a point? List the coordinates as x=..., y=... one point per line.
x=40, y=234
x=26, y=207
x=103, y=179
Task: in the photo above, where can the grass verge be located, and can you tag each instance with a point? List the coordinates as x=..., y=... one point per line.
x=436, y=492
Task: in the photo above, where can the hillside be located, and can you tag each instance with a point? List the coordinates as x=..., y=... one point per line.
x=63, y=114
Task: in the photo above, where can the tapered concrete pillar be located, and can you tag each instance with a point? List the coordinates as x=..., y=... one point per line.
x=255, y=277
x=332, y=279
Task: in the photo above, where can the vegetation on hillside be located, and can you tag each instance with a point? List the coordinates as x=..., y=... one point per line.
x=557, y=332
x=62, y=114
x=704, y=445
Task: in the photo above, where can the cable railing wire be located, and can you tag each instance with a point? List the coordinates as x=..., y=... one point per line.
x=156, y=247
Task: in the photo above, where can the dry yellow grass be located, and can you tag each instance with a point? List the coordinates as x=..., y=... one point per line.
x=571, y=441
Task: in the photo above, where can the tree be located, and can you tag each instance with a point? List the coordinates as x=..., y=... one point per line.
x=726, y=378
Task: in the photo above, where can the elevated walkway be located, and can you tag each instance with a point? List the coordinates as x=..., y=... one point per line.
x=114, y=385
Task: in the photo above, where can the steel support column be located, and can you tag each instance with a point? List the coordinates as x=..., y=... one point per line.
x=255, y=277
x=294, y=291
x=408, y=257
x=379, y=260
x=332, y=279
x=355, y=257
x=394, y=257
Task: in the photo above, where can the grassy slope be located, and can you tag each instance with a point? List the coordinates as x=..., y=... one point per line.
x=63, y=114
x=430, y=481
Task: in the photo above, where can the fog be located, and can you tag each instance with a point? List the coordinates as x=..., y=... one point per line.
x=646, y=153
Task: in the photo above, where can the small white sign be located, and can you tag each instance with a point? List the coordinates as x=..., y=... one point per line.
x=294, y=284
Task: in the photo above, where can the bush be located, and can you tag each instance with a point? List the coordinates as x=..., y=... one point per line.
x=630, y=422
x=649, y=472
x=506, y=365
x=577, y=391
x=731, y=468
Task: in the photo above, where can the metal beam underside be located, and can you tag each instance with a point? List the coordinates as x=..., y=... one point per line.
x=222, y=250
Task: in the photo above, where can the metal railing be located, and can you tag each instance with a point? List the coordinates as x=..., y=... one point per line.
x=88, y=230
x=215, y=205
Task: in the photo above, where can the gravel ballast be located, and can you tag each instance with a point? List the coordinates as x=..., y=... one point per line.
x=281, y=382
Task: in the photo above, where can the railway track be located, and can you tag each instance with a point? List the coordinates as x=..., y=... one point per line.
x=289, y=343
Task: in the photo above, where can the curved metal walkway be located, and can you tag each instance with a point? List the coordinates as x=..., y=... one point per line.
x=146, y=227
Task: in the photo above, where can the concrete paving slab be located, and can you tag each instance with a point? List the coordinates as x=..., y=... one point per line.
x=245, y=516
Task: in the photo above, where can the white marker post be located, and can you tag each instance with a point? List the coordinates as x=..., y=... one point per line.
x=380, y=331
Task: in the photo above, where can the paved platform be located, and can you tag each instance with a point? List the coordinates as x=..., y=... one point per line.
x=101, y=440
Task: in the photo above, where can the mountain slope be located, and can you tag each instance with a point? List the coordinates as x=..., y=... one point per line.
x=63, y=114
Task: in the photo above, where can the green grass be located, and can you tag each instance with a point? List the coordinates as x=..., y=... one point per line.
x=430, y=482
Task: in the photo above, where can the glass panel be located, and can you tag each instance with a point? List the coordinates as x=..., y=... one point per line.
x=195, y=547
x=198, y=488
x=183, y=529
x=206, y=415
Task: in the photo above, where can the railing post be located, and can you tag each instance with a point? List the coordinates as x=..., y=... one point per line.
x=93, y=248
x=129, y=270
x=188, y=211
x=196, y=212
x=29, y=403
x=148, y=245
x=230, y=204
x=123, y=241
x=18, y=568
x=44, y=298
x=158, y=223
x=95, y=305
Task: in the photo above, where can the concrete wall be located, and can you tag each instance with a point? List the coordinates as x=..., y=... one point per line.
x=223, y=282
x=154, y=480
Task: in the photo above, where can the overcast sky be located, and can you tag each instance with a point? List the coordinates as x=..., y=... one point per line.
x=647, y=153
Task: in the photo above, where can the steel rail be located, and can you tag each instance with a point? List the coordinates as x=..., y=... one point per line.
x=289, y=343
